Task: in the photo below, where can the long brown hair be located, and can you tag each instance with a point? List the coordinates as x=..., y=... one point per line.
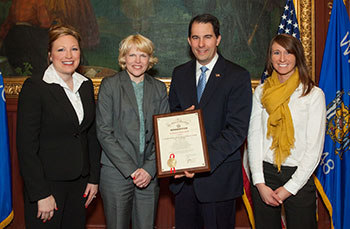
x=293, y=46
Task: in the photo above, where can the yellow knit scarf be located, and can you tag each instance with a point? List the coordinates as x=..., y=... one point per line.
x=275, y=99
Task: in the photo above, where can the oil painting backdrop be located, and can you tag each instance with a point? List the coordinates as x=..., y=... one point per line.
x=246, y=29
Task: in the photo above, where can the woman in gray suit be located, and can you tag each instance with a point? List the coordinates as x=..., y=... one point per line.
x=126, y=103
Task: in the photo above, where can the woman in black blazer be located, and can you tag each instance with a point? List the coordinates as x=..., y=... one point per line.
x=58, y=151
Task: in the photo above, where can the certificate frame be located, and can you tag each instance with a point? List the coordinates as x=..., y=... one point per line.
x=172, y=128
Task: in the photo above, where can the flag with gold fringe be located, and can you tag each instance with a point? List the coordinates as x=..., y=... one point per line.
x=6, y=212
x=332, y=177
x=247, y=196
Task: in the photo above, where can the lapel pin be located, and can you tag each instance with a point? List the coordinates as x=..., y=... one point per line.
x=217, y=75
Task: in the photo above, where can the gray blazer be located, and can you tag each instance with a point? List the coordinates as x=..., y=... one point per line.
x=117, y=121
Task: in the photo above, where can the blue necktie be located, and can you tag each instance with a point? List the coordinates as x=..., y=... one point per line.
x=201, y=82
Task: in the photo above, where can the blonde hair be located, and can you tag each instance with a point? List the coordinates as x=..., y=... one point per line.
x=142, y=44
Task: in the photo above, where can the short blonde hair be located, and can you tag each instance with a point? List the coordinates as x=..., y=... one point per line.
x=142, y=44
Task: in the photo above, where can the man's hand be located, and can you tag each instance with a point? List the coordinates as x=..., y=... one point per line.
x=191, y=108
x=187, y=174
x=46, y=208
x=268, y=196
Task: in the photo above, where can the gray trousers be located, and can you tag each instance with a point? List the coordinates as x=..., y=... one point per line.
x=123, y=201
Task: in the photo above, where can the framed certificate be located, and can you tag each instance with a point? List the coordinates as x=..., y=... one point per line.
x=180, y=143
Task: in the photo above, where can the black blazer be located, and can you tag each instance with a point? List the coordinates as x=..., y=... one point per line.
x=51, y=144
x=226, y=105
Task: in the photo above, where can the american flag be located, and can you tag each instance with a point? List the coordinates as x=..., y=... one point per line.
x=289, y=22
x=288, y=25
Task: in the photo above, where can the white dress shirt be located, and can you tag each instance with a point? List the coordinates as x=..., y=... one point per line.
x=309, y=120
x=51, y=76
x=210, y=67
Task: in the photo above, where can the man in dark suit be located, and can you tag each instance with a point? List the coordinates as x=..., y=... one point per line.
x=222, y=90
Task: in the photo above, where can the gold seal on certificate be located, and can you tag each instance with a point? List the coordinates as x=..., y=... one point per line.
x=180, y=143
x=171, y=161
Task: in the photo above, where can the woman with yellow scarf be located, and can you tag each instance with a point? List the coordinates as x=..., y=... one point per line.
x=285, y=139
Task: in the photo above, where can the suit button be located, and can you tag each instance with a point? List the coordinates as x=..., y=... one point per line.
x=147, y=142
x=76, y=135
x=146, y=131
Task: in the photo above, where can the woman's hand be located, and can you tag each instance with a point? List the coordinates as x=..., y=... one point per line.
x=268, y=196
x=90, y=192
x=46, y=208
x=141, y=178
x=282, y=193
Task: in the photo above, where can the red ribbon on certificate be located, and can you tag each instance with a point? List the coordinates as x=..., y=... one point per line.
x=172, y=162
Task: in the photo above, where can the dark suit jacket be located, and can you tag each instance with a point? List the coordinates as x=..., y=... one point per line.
x=118, y=128
x=51, y=144
x=226, y=106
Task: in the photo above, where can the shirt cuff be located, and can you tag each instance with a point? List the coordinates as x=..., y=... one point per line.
x=292, y=187
x=258, y=178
